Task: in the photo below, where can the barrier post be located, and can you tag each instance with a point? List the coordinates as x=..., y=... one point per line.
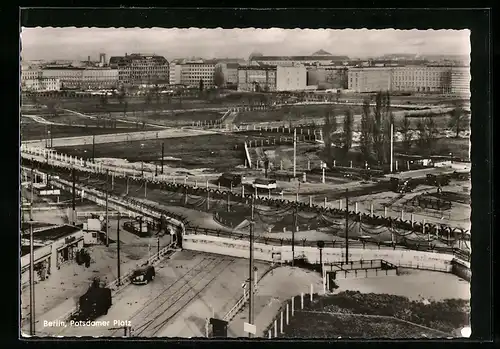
x=324, y=202
x=356, y=207
x=310, y=201
x=340, y=204
x=385, y=211
x=402, y=215
x=269, y=334
x=301, y=300
x=311, y=292
x=412, y=219
x=287, y=314
x=293, y=305
x=275, y=328
x=281, y=322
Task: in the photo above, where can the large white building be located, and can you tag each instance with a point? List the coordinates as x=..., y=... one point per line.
x=99, y=78
x=41, y=85
x=193, y=72
x=174, y=72
x=369, y=79
x=420, y=79
x=83, y=78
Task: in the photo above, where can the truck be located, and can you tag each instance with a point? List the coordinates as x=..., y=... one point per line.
x=94, y=303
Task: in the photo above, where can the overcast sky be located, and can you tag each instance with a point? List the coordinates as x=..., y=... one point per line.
x=78, y=43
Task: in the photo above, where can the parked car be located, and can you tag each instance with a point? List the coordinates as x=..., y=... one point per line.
x=143, y=275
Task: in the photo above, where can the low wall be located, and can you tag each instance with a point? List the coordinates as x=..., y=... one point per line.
x=239, y=248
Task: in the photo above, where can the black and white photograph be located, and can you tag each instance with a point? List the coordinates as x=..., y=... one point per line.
x=245, y=183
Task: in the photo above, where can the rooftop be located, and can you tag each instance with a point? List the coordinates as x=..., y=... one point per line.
x=300, y=58
x=54, y=233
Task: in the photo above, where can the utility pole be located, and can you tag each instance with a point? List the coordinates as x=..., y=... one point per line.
x=294, y=228
x=51, y=137
x=73, y=213
x=162, y=155
x=32, y=184
x=118, y=248
x=392, y=145
x=126, y=193
x=294, y=152
x=93, y=149
x=107, y=221
x=32, y=282
x=347, y=226
x=250, y=271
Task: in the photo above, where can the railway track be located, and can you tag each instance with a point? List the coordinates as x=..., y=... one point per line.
x=156, y=313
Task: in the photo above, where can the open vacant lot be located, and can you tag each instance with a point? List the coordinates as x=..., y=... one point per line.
x=211, y=151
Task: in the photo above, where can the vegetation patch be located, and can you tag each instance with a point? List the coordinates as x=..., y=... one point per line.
x=378, y=315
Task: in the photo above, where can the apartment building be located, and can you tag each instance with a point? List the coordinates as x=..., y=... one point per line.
x=369, y=79
x=194, y=71
x=41, y=84
x=139, y=68
x=421, y=79
x=95, y=78
x=291, y=78
x=69, y=77
x=29, y=73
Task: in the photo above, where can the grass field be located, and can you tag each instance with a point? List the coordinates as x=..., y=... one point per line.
x=327, y=325
x=373, y=315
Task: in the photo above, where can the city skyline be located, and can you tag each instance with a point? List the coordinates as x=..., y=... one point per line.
x=79, y=43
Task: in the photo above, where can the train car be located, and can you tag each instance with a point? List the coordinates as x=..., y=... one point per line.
x=230, y=179
x=143, y=275
x=94, y=303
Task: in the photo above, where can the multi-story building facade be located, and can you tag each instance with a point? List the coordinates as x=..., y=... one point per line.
x=83, y=78
x=174, y=72
x=41, y=84
x=230, y=71
x=460, y=81
x=70, y=77
x=421, y=79
x=271, y=78
x=330, y=77
x=257, y=78
x=194, y=71
x=369, y=79
x=29, y=73
x=291, y=78
x=95, y=78
x=138, y=68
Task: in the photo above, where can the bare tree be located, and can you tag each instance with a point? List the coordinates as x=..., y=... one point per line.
x=422, y=136
x=432, y=131
x=458, y=120
x=347, y=131
x=405, y=130
x=366, y=137
x=219, y=78
x=329, y=128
